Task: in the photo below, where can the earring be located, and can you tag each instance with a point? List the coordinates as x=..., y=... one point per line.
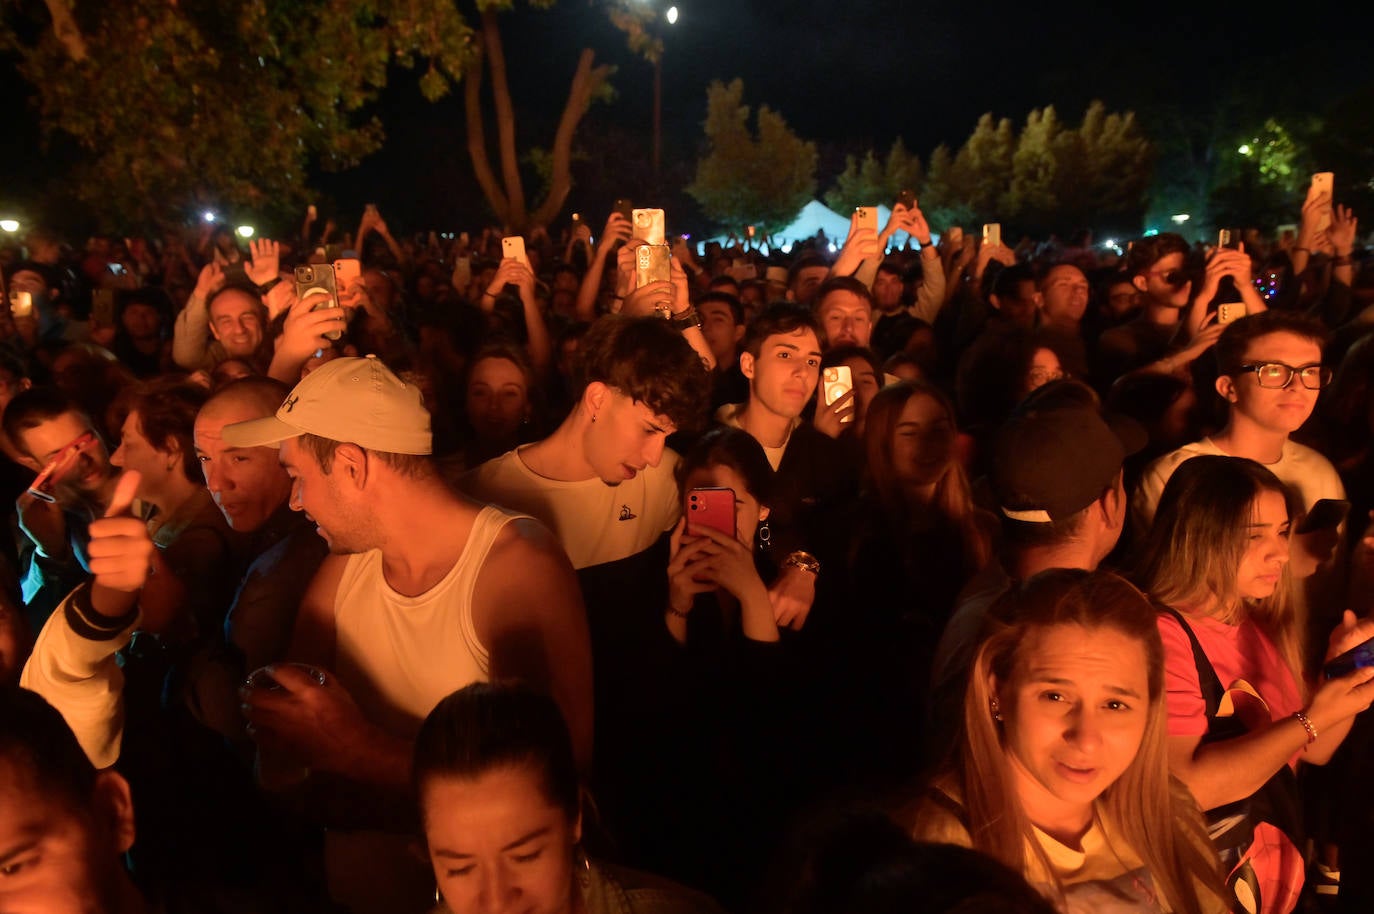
x=582, y=864
x=764, y=535
x=996, y=709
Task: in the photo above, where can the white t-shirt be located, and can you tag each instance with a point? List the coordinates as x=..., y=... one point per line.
x=1302, y=469
x=594, y=522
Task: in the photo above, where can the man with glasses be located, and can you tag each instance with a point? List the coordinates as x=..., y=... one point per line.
x=1270, y=375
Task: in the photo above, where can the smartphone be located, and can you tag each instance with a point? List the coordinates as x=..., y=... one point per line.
x=626, y=209
x=653, y=263
x=712, y=507
x=21, y=304
x=836, y=381
x=262, y=678
x=866, y=217
x=907, y=198
x=1231, y=311
x=992, y=234
x=1322, y=183
x=1358, y=657
x=314, y=278
x=513, y=246
x=1229, y=238
x=44, y=485
x=1326, y=514
x=103, y=307
x=647, y=225
x=347, y=270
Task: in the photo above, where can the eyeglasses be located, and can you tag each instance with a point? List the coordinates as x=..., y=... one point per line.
x=1175, y=277
x=1277, y=375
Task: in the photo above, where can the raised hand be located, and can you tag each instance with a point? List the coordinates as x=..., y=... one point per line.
x=266, y=265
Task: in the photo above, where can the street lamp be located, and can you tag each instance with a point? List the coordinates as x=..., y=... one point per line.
x=671, y=17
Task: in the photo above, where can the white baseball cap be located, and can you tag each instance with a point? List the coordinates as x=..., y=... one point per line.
x=355, y=400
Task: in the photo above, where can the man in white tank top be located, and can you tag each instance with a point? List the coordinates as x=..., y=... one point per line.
x=425, y=591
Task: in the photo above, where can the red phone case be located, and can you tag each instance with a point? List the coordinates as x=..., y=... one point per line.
x=711, y=507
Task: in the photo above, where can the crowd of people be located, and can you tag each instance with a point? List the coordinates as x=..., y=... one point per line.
x=492, y=577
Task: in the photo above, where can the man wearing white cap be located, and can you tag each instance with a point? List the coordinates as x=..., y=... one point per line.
x=426, y=591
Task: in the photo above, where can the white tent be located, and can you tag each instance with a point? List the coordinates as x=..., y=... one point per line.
x=816, y=216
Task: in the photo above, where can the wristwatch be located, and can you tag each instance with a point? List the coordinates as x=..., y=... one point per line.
x=269, y=285
x=803, y=560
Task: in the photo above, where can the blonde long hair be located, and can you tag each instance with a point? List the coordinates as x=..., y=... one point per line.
x=1193, y=552
x=1149, y=809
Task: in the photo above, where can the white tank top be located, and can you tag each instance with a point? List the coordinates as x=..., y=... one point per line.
x=398, y=655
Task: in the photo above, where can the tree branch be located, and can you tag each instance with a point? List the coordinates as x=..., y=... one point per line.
x=585, y=83
x=505, y=118
x=64, y=28
x=477, y=141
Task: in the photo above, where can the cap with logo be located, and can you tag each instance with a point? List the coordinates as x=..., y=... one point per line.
x=355, y=400
x=1049, y=464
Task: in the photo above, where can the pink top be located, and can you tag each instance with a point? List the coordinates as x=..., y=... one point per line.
x=1237, y=653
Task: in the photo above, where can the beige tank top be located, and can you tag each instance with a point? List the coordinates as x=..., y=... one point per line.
x=397, y=655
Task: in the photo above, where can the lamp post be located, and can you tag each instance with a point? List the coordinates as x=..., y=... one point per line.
x=671, y=17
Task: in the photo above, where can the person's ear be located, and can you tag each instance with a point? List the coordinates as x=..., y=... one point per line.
x=993, y=300
x=1139, y=282
x=746, y=364
x=594, y=398
x=350, y=463
x=1226, y=386
x=114, y=807
x=1110, y=504
x=739, y=332
x=764, y=511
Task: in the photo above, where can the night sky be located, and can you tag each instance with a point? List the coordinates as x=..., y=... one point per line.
x=849, y=75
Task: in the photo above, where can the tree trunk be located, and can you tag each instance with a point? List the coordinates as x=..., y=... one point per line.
x=64, y=27
x=507, y=195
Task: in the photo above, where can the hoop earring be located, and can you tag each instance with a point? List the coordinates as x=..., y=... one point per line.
x=764, y=535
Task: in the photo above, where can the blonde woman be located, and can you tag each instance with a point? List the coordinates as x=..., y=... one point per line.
x=1061, y=770
x=1242, y=711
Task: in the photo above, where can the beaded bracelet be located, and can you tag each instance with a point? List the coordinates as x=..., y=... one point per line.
x=1306, y=725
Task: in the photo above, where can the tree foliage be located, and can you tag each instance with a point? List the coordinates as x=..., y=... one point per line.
x=198, y=103
x=874, y=181
x=761, y=177
x=1049, y=176
x=191, y=104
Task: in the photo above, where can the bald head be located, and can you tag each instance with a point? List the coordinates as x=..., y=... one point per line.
x=247, y=483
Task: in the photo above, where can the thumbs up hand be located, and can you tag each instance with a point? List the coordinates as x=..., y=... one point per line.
x=121, y=550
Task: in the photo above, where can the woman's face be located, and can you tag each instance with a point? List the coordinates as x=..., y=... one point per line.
x=748, y=512
x=1266, y=551
x=1074, y=715
x=923, y=442
x=137, y=453
x=866, y=386
x=497, y=399
x=141, y=321
x=498, y=845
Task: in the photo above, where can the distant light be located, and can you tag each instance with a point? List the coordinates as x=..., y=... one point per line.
x=1180, y=218
x=9, y=225
x=1151, y=231
x=672, y=15
x=245, y=231
x=1244, y=149
x=787, y=247
x=1109, y=243
x=209, y=216
x=832, y=247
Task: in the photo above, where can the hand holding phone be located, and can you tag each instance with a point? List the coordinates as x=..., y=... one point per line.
x=648, y=226
x=513, y=246
x=318, y=279
x=866, y=217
